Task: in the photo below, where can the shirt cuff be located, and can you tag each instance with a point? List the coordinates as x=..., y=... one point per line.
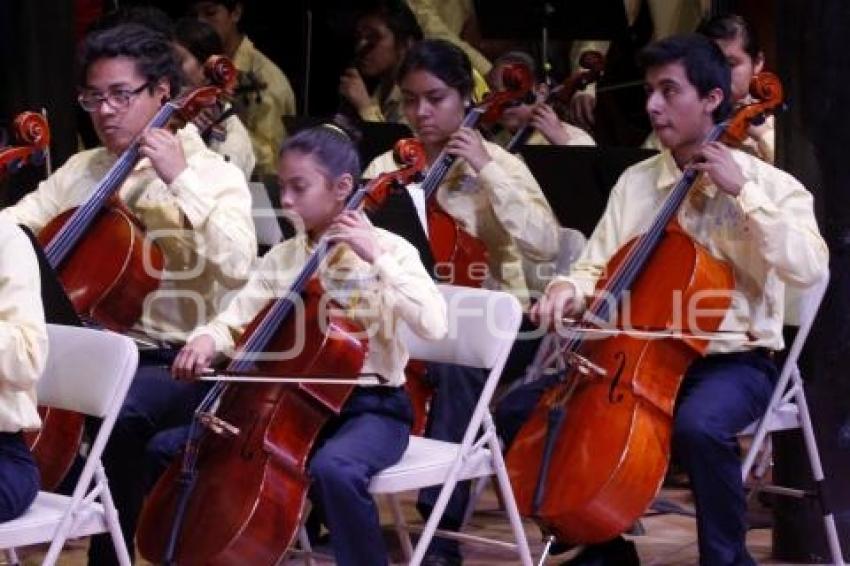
x=185, y=189
x=372, y=113
x=752, y=197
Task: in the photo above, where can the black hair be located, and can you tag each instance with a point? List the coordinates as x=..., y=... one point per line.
x=199, y=38
x=442, y=59
x=705, y=65
x=152, y=52
x=148, y=16
x=732, y=26
x=332, y=147
x=398, y=17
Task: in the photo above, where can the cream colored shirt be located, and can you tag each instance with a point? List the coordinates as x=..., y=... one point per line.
x=502, y=205
x=395, y=288
x=577, y=136
x=768, y=234
x=264, y=118
x=202, y=222
x=429, y=14
x=23, y=332
x=386, y=110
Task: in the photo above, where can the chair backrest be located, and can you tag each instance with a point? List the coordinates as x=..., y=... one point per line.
x=801, y=309
x=88, y=371
x=265, y=215
x=482, y=327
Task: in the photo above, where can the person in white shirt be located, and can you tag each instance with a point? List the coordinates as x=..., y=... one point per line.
x=743, y=211
x=23, y=355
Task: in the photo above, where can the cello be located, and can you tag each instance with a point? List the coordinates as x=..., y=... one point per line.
x=452, y=246
x=593, y=454
x=130, y=264
x=262, y=433
x=592, y=64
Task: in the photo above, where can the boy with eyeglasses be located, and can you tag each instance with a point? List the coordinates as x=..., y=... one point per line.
x=195, y=205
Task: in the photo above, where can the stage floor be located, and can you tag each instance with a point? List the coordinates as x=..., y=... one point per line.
x=669, y=540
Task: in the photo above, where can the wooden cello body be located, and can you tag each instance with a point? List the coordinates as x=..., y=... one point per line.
x=247, y=502
x=107, y=266
x=613, y=446
x=263, y=434
x=593, y=454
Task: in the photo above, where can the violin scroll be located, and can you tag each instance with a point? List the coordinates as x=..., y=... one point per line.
x=592, y=65
x=766, y=89
x=519, y=85
x=221, y=72
x=410, y=155
x=31, y=129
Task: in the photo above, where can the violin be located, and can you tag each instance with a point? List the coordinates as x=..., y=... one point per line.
x=261, y=433
x=768, y=95
x=592, y=65
x=129, y=264
x=32, y=131
x=454, y=248
x=593, y=454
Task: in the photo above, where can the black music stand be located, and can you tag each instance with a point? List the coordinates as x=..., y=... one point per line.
x=577, y=179
x=58, y=308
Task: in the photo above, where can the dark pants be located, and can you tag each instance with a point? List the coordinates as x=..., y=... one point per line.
x=371, y=434
x=720, y=395
x=155, y=402
x=19, y=479
x=456, y=392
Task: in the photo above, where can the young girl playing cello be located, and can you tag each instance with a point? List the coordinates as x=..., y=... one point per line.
x=379, y=281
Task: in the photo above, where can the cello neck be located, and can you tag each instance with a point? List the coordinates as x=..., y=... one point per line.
x=437, y=171
x=282, y=306
x=68, y=236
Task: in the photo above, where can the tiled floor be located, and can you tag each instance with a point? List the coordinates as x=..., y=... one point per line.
x=668, y=539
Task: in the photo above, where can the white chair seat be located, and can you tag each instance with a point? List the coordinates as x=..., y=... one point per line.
x=428, y=462
x=41, y=519
x=88, y=371
x=784, y=417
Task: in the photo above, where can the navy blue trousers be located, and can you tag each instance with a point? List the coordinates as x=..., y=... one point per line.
x=19, y=479
x=156, y=402
x=720, y=395
x=371, y=434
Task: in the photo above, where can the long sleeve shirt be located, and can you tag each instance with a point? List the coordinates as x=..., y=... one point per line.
x=395, y=288
x=202, y=221
x=23, y=332
x=768, y=234
x=429, y=14
x=502, y=205
x=262, y=112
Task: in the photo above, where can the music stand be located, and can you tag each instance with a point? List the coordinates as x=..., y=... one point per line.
x=577, y=179
x=58, y=308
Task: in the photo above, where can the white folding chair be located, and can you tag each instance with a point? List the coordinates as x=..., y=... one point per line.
x=482, y=328
x=265, y=215
x=88, y=371
x=571, y=243
x=788, y=409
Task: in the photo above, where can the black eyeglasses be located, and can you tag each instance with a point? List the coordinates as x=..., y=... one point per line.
x=118, y=99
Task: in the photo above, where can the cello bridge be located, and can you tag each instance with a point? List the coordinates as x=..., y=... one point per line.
x=584, y=366
x=218, y=426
